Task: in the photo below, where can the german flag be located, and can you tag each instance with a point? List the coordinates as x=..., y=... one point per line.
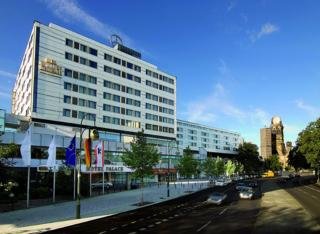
x=87, y=152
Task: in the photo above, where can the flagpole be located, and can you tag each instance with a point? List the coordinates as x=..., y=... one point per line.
x=28, y=187
x=54, y=185
x=102, y=180
x=74, y=183
x=90, y=180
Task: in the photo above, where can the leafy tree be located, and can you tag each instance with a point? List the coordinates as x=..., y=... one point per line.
x=248, y=156
x=309, y=144
x=187, y=165
x=209, y=167
x=297, y=160
x=220, y=166
x=230, y=168
x=272, y=163
x=142, y=157
x=239, y=168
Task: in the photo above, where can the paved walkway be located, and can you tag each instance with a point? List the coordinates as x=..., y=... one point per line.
x=281, y=213
x=63, y=214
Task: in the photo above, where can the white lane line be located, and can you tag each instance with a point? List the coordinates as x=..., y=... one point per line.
x=204, y=226
x=312, y=189
x=223, y=211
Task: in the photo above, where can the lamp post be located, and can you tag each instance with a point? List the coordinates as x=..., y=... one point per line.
x=168, y=172
x=95, y=135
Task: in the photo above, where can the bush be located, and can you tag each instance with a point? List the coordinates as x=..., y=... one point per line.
x=40, y=192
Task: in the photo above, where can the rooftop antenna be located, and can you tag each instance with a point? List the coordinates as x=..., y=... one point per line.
x=115, y=39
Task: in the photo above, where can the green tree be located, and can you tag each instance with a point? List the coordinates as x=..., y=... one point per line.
x=248, y=156
x=297, y=160
x=239, y=168
x=230, y=168
x=309, y=144
x=142, y=157
x=220, y=166
x=272, y=163
x=209, y=167
x=187, y=165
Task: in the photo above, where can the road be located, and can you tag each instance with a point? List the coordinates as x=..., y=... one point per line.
x=308, y=195
x=192, y=215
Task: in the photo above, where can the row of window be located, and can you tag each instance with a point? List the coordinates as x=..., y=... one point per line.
x=80, y=89
x=81, y=47
x=117, y=72
x=123, y=62
x=159, y=118
x=160, y=77
x=194, y=132
x=117, y=98
x=79, y=101
x=123, y=111
x=159, y=99
x=81, y=60
x=159, y=108
x=80, y=76
x=159, y=128
x=123, y=122
x=78, y=114
x=160, y=87
x=122, y=88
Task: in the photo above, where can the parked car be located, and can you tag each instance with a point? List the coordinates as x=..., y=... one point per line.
x=220, y=182
x=99, y=184
x=216, y=198
x=246, y=193
x=240, y=185
x=253, y=184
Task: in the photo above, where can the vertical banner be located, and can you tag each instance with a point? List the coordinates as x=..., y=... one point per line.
x=99, y=153
x=71, y=153
x=87, y=151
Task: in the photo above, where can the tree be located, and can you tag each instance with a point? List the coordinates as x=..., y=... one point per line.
x=230, y=168
x=248, y=156
x=6, y=152
x=209, y=167
x=297, y=160
x=142, y=157
x=187, y=165
x=272, y=163
x=220, y=166
x=309, y=144
x=239, y=168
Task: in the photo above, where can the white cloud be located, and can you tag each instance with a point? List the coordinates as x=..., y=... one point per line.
x=311, y=110
x=265, y=30
x=70, y=11
x=7, y=74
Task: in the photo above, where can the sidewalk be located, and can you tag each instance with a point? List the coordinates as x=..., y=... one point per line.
x=281, y=213
x=63, y=214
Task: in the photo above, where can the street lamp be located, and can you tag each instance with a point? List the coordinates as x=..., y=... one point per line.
x=168, y=172
x=92, y=135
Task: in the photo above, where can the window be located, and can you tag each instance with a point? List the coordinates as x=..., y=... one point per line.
x=137, y=68
x=137, y=79
x=75, y=74
x=92, y=79
x=93, y=64
x=92, y=104
x=148, y=72
x=67, y=86
x=137, y=114
x=67, y=99
x=69, y=42
x=108, y=57
x=66, y=112
x=106, y=119
x=116, y=98
x=82, y=89
x=129, y=65
x=107, y=69
x=107, y=96
x=137, y=92
x=93, y=51
x=76, y=58
x=116, y=60
x=92, y=92
x=129, y=76
x=75, y=101
x=83, y=48
x=83, y=61
x=82, y=102
x=116, y=72
x=75, y=88
x=68, y=72
x=82, y=77
x=68, y=56
x=76, y=45
x=74, y=114
x=124, y=63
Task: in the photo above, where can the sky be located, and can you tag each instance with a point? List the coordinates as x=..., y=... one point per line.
x=237, y=63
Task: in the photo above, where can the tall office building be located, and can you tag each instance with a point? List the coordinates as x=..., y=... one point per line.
x=65, y=77
x=265, y=143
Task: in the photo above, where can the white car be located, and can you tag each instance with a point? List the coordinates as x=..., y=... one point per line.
x=246, y=193
x=220, y=182
x=216, y=198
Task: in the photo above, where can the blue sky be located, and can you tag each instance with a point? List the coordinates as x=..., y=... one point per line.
x=238, y=63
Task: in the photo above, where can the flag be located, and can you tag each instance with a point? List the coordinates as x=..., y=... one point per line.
x=52, y=151
x=25, y=148
x=87, y=151
x=99, y=153
x=71, y=153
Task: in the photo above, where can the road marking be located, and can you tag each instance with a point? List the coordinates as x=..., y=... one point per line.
x=223, y=211
x=313, y=189
x=204, y=226
x=103, y=232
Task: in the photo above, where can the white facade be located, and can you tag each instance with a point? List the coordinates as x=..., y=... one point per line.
x=65, y=76
x=203, y=138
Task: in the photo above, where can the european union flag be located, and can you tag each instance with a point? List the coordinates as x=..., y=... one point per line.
x=71, y=153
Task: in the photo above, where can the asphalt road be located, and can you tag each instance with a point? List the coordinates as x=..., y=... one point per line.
x=189, y=215
x=308, y=196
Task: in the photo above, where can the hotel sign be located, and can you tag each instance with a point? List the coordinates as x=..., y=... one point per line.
x=50, y=66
